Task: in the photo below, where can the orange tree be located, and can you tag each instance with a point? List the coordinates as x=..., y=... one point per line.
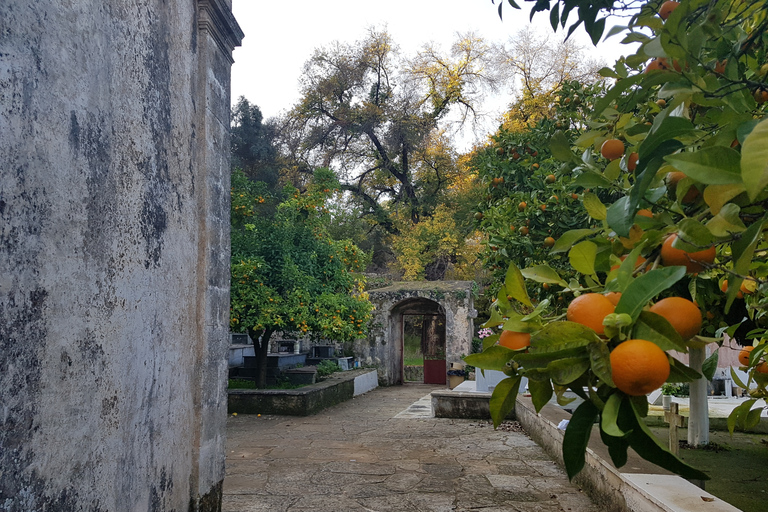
x=531, y=198
x=287, y=273
x=690, y=99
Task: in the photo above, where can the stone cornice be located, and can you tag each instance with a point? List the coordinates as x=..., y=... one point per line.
x=216, y=18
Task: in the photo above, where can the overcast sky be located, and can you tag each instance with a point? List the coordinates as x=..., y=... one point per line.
x=280, y=36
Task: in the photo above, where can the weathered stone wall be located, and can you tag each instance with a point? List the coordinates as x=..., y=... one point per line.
x=383, y=346
x=114, y=202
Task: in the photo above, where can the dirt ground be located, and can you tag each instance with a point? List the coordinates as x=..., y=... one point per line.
x=738, y=466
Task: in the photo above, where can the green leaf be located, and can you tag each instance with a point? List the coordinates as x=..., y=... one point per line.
x=540, y=389
x=754, y=160
x=565, y=371
x=738, y=415
x=716, y=165
x=737, y=379
x=726, y=222
x=595, y=208
x=490, y=341
x=693, y=235
x=665, y=128
x=616, y=91
x=600, y=361
x=493, y=358
x=718, y=195
x=569, y=238
x=542, y=360
x=617, y=448
x=515, y=285
x=560, y=395
x=651, y=449
x=619, y=216
x=495, y=319
x=582, y=257
x=503, y=399
x=576, y=437
x=753, y=418
x=709, y=366
x=680, y=372
x=656, y=329
x=558, y=336
x=543, y=274
x=743, y=251
x=610, y=414
x=646, y=287
x=560, y=147
x=590, y=179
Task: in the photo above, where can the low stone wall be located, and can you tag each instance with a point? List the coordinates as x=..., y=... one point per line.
x=414, y=373
x=305, y=401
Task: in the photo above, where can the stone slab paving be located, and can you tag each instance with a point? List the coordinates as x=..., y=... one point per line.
x=369, y=455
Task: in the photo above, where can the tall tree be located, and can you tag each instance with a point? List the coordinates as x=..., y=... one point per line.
x=287, y=274
x=376, y=117
x=253, y=143
x=540, y=66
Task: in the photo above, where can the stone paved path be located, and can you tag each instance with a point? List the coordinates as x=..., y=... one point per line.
x=383, y=452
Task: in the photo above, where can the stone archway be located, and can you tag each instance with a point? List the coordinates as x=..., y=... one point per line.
x=451, y=300
x=432, y=336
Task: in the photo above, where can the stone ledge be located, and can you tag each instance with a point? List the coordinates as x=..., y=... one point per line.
x=304, y=401
x=639, y=487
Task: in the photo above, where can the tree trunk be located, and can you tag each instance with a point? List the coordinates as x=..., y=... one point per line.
x=260, y=344
x=698, y=421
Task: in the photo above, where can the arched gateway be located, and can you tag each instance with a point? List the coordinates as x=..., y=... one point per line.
x=447, y=308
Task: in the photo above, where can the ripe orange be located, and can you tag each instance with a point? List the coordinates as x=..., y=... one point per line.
x=614, y=297
x=632, y=160
x=542, y=207
x=612, y=149
x=522, y=206
x=673, y=178
x=523, y=230
x=645, y=213
x=514, y=340
x=638, y=367
x=666, y=8
x=551, y=178
x=658, y=64
x=724, y=289
x=762, y=367
x=692, y=261
x=500, y=151
x=535, y=166
x=748, y=286
x=511, y=228
x=684, y=315
x=574, y=196
x=589, y=309
x=549, y=241
x=744, y=355
x=661, y=102
x=761, y=96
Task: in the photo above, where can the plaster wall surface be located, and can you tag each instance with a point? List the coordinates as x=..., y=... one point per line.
x=383, y=346
x=114, y=262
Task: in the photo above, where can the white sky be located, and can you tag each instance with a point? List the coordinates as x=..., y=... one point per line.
x=280, y=36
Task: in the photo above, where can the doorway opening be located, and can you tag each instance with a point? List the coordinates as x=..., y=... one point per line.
x=424, y=348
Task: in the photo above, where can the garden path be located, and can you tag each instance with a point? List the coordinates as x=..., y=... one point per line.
x=383, y=451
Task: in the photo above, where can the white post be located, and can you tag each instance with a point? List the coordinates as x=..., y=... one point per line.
x=698, y=421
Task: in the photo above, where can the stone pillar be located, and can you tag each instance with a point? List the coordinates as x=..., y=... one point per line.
x=114, y=200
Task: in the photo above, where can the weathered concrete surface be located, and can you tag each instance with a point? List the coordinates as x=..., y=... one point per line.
x=114, y=204
x=303, y=401
x=358, y=456
x=384, y=345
